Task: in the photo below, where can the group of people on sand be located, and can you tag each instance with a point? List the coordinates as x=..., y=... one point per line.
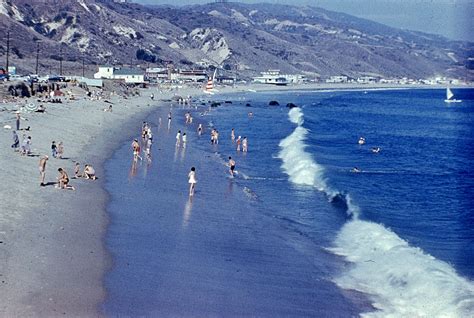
x=24, y=148
x=88, y=172
x=63, y=177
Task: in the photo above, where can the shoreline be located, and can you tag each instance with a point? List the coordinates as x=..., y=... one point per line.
x=53, y=250
x=255, y=87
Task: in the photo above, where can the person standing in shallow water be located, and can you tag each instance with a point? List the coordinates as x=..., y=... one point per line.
x=178, y=138
x=169, y=120
x=192, y=181
x=136, y=150
x=238, y=141
x=244, y=144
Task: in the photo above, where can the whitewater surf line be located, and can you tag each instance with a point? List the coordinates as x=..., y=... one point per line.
x=401, y=280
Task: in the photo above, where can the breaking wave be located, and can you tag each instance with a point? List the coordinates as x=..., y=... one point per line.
x=301, y=167
x=401, y=280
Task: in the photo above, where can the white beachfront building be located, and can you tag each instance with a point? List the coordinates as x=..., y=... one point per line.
x=275, y=77
x=366, y=80
x=105, y=71
x=129, y=75
x=337, y=79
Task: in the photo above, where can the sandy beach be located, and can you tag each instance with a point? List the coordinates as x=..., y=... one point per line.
x=52, y=254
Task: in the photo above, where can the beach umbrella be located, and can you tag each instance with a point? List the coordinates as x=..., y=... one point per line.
x=31, y=107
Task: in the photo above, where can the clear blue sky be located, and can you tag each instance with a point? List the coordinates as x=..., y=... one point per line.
x=451, y=18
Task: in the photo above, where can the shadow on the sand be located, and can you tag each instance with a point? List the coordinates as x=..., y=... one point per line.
x=49, y=184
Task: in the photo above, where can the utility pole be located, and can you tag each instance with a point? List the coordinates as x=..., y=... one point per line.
x=8, y=53
x=61, y=60
x=37, y=57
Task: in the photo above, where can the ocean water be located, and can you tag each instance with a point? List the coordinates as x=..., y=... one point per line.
x=395, y=239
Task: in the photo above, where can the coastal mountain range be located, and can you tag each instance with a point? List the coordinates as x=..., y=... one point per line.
x=239, y=39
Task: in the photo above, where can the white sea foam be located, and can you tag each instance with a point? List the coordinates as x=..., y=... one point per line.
x=401, y=280
x=300, y=165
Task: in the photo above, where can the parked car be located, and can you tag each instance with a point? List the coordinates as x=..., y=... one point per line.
x=55, y=78
x=34, y=78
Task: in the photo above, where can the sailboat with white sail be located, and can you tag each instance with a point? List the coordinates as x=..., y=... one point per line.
x=449, y=97
x=209, y=89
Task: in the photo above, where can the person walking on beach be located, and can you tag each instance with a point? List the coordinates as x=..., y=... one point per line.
x=63, y=180
x=192, y=181
x=60, y=150
x=54, y=148
x=232, y=135
x=16, y=140
x=42, y=169
x=244, y=145
x=178, y=138
x=232, y=166
x=18, y=117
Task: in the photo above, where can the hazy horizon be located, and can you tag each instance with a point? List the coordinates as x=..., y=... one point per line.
x=449, y=18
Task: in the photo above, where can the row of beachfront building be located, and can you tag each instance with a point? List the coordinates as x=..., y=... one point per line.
x=275, y=77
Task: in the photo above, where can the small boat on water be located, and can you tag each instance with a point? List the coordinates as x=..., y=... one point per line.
x=449, y=97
